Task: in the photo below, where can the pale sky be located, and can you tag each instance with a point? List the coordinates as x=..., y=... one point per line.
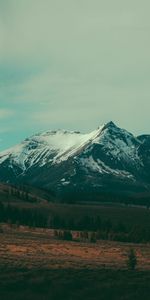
x=73, y=64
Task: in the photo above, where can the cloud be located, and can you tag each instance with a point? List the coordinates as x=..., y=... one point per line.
x=74, y=64
x=72, y=31
x=6, y=113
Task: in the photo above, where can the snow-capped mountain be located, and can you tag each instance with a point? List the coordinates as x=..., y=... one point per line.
x=108, y=159
x=51, y=147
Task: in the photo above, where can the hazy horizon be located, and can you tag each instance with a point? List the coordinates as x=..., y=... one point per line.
x=73, y=65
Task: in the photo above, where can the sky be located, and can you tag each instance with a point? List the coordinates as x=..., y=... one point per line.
x=73, y=64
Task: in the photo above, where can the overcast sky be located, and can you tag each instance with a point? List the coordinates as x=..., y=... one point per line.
x=73, y=64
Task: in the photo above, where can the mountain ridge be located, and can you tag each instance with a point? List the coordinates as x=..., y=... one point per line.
x=108, y=159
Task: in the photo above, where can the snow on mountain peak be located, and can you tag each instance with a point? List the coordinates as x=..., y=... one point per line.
x=47, y=147
x=115, y=145
x=53, y=147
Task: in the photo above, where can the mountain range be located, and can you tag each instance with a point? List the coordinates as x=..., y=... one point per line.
x=108, y=161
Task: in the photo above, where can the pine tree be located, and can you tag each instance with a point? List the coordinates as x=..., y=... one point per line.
x=132, y=259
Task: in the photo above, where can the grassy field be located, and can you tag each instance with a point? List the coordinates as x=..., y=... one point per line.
x=34, y=265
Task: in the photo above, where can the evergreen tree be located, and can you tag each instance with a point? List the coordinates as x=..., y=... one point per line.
x=132, y=259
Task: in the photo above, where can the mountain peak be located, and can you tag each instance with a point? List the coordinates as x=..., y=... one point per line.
x=109, y=125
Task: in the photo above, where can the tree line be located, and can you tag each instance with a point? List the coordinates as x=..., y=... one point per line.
x=104, y=228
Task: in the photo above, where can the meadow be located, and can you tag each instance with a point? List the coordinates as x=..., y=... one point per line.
x=35, y=265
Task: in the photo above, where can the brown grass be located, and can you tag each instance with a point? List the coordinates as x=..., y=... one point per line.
x=38, y=249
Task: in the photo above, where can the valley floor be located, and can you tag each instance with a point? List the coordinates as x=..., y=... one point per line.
x=34, y=265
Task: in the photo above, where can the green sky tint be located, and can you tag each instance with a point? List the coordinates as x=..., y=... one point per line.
x=74, y=65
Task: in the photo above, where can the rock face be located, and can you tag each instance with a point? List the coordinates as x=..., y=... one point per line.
x=107, y=160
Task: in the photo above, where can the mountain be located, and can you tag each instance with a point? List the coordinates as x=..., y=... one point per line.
x=107, y=161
